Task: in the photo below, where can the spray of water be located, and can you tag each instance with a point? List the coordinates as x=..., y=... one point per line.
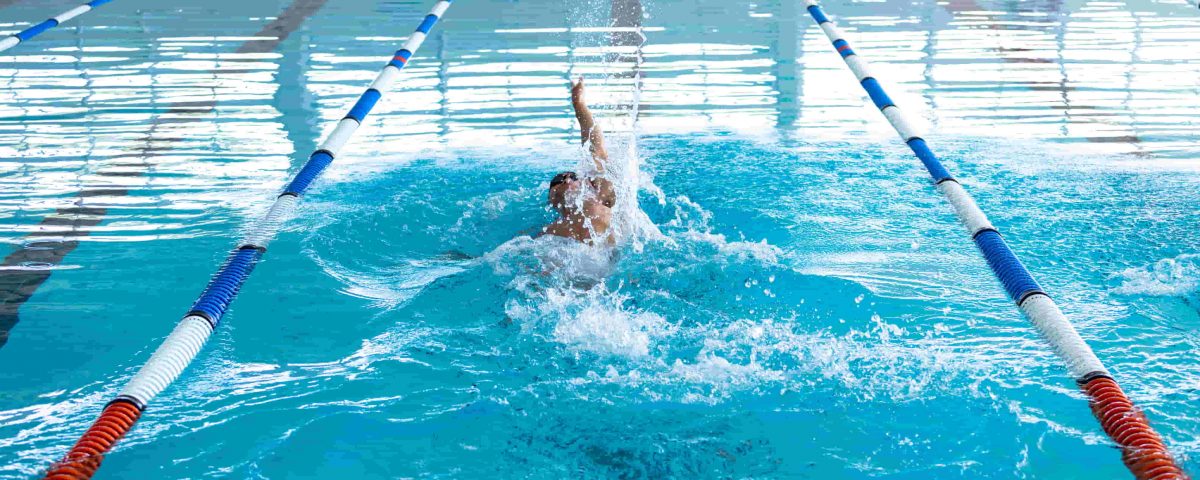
x=617, y=100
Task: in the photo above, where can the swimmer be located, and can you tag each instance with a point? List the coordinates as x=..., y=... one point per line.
x=584, y=203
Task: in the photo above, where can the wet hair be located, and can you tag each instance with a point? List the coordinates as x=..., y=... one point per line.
x=556, y=201
x=562, y=178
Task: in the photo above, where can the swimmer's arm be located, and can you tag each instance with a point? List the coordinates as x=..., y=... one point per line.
x=591, y=133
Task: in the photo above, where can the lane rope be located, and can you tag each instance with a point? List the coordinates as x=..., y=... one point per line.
x=190, y=335
x=1142, y=448
x=28, y=33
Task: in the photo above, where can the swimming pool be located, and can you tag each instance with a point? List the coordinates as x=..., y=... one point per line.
x=811, y=309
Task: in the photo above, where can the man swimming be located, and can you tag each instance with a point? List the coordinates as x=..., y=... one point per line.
x=584, y=205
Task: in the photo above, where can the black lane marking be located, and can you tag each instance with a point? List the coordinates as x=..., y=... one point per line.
x=27, y=268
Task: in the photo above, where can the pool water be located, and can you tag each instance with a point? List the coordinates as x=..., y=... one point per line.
x=793, y=299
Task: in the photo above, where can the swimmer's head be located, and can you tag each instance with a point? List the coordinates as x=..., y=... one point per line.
x=560, y=185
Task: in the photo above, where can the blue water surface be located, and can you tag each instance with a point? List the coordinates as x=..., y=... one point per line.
x=798, y=302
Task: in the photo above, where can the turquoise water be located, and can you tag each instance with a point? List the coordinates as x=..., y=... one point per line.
x=800, y=303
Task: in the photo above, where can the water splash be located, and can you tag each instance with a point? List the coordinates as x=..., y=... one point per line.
x=1178, y=276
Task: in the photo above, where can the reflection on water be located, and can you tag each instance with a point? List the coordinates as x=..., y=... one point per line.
x=159, y=105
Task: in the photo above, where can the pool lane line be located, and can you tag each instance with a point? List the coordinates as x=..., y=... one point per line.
x=1142, y=449
x=57, y=234
x=184, y=343
x=28, y=33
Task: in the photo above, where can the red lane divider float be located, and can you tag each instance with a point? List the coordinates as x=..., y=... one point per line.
x=84, y=458
x=1142, y=449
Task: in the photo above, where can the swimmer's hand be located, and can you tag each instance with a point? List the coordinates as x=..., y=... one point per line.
x=589, y=131
x=577, y=92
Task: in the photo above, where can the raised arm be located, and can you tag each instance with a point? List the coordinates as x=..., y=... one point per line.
x=592, y=136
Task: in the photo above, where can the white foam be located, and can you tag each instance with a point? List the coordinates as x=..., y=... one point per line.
x=710, y=368
x=611, y=331
x=591, y=320
x=1168, y=277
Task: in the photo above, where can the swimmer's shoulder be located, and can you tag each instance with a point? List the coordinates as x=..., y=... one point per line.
x=605, y=189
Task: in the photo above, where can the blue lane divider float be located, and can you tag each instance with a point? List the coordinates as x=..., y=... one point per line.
x=16, y=38
x=189, y=336
x=225, y=285
x=1143, y=449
